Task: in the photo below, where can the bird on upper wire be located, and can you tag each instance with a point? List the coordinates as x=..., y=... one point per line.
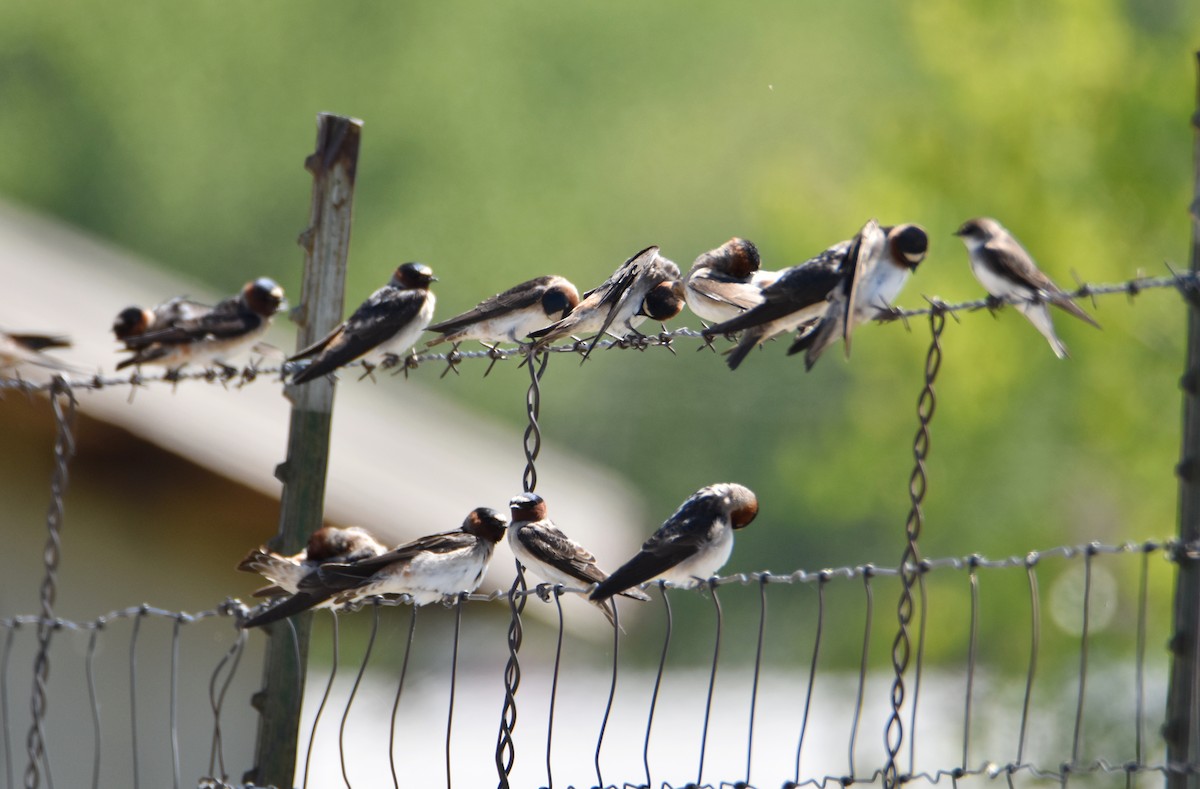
x=725, y=282
x=510, y=316
x=386, y=325
x=1007, y=271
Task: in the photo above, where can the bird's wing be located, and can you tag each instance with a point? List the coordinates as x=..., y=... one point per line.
x=548, y=544
x=517, y=297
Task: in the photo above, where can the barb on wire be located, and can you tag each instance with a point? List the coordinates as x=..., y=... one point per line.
x=62, y=399
x=917, y=487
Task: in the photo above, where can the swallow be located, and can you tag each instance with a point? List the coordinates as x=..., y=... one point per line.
x=326, y=544
x=1008, y=272
x=725, y=282
x=135, y=321
x=388, y=323
x=427, y=569
x=216, y=335
x=877, y=266
x=646, y=285
x=692, y=545
x=510, y=316
x=797, y=298
x=542, y=547
x=17, y=350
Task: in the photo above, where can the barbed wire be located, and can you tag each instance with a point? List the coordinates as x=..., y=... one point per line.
x=1186, y=283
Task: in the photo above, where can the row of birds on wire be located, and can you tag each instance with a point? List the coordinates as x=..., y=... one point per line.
x=822, y=300
x=341, y=567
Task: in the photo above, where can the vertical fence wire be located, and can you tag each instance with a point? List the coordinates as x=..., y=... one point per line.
x=62, y=400
x=358, y=678
x=612, y=691
x=1140, y=659
x=868, y=623
x=333, y=669
x=558, y=590
x=4, y=663
x=176, y=775
x=1035, y=637
x=972, y=652
x=909, y=569
x=412, y=627
x=662, y=664
x=89, y=667
x=133, y=683
x=506, y=753
x=712, y=679
x=758, y=654
x=1077, y=735
x=233, y=659
x=458, y=606
x=918, y=669
x=822, y=579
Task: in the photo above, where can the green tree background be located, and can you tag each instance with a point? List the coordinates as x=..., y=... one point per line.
x=508, y=140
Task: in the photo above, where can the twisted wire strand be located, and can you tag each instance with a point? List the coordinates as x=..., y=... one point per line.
x=64, y=449
x=917, y=488
x=1186, y=283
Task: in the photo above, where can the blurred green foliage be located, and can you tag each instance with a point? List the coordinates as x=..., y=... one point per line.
x=508, y=140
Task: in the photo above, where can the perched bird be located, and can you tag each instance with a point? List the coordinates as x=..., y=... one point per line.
x=216, y=335
x=427, y=569
x=19, y=350
x=726, y=281
x=692, y=545
x=541, y=546
x=877, y=266
x=135, y=321
x=510, y=316
x=386, y=324
x=326, y=544
x=797, y=298
x=1008, y=272
x=645, y=286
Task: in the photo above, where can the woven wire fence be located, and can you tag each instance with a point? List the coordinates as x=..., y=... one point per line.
x=747, y=717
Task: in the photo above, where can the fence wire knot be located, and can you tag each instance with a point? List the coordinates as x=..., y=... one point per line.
x=910, y=561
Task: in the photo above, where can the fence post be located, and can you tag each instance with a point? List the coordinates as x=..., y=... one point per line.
x=326, y=243
x=1182, y=729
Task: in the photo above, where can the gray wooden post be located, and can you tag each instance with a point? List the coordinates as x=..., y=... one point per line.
x=326, y=243
x=1182, y=729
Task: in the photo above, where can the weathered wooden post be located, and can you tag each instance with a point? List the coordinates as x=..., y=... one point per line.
x=1182, y=728
x=326, y=243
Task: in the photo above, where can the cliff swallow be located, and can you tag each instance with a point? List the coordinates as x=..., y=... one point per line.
x=541, y=547
x=795, y=299
x=877, y=267
x=510, y=316
x=1008, y=272
x=135, y=321
x=386, y=324
x=326, y=544
x=726, y=281
x=692, y=545
x=645, y=286
x=427, y=569
x=17, y=350
x=230, y=326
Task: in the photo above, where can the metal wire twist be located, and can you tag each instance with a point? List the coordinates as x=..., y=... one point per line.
x=909, y=570
x=64, y=448
x=505, y=750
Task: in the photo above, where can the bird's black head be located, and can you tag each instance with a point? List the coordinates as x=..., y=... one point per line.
x=976, y=229
x=909, y=243
x=527, y=507
x=131, y=322
x=413, y=275
x=664, y=301
x=560, y=300
x=485, y=523
x=264, y=296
